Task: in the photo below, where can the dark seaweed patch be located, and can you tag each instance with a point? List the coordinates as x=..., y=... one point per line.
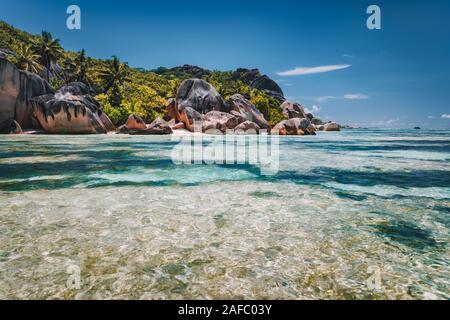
x=407, y=234
x=351, y=196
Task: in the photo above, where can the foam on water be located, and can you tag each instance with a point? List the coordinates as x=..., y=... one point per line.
x=140, y=227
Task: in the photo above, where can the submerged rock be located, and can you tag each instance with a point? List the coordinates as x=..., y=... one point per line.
x=244, y=109
x=200, y=96
x=10, y=127
x=71, y=112
x=17, y=89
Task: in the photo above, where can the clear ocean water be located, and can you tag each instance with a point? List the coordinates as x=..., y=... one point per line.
x=350, y=215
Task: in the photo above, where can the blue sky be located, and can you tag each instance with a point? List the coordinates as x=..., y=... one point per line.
x=397, y=77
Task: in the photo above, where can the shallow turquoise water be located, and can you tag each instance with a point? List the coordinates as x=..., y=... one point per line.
x=345, y=211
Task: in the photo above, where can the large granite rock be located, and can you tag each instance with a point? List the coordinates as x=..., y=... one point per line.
x=294, y=127
x=190, y=118
x=246, y=110
x=71, y=112
x=247, y=127
x=254, y=78
x=219, y=120
x=293, y=110
x=332, y=126
x=157, y=127
x=17, y=89
x=316, y=121
x=269, y=86
x=10, y=127
x=172, y=110
x=200, y=96
x=134, y=122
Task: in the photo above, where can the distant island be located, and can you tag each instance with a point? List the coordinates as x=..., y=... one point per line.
x=46, y=89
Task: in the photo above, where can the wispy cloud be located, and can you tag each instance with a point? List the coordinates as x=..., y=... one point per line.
x=324, y=98
x=314, y=109
x=431, y=117
x=445, y=116
x=349, y=96
x=356, y=96
x=346, y=55
x=312, y=70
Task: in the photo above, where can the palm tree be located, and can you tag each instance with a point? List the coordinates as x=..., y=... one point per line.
x=48, y=49
x=78, y=68
x=26, y=59
x=115, y=73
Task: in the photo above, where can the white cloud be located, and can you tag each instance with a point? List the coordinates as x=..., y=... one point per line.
x=324, y=98
x=312, y=70
x=431, y=117
x=356, y=96
x=350, y=96
x=314, y=109
x=346, y=55
x=445, y=116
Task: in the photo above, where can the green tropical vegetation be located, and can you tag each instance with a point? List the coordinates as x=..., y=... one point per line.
x=122, y=90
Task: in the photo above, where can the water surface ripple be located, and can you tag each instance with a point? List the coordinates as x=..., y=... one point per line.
x=344, y=210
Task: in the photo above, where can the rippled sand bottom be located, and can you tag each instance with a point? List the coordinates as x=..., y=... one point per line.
x=350, y=215
x=223, y=240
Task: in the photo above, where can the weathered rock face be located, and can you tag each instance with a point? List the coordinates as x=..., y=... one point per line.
x=172, y=110
x=332, y=126
x=293, y=110
x=294, y=127
x=68, y=113
x=54, y=71
x=219, y=120
x=247, y=127
x=189, y=117
x=17, y=89
x=269, y=86
x=134, y=122
x=10, y=127
x=247, y=110
x=76, y=89
x=200, y=96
